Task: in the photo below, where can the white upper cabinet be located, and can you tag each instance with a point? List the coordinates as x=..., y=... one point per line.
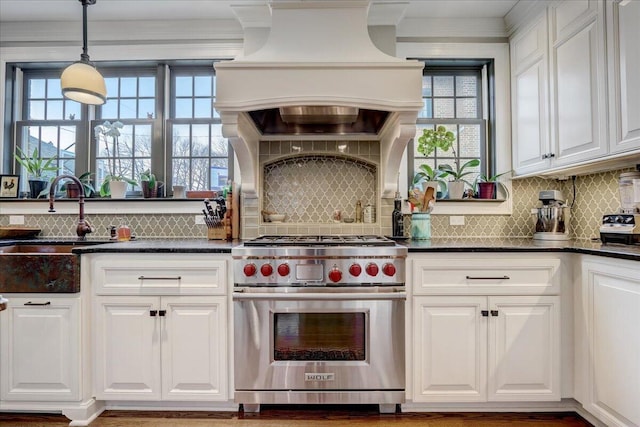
x=578, y=97
x=623, y=36
x=576, y=87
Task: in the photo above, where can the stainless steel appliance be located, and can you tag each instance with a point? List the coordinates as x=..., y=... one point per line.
x=552, y=218
x=319, y=319
x=620, y=228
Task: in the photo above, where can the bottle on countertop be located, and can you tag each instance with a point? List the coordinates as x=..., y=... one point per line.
x=369, y=214
x=397, y=218
x=358, y=211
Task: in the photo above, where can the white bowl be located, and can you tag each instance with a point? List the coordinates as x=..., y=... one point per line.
x=276, y=217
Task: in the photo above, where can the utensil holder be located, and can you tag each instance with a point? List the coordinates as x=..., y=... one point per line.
x=216, y=233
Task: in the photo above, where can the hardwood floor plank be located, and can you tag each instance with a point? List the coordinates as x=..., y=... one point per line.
x=277, y=416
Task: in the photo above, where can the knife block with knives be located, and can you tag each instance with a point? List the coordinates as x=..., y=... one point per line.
x=215, y=219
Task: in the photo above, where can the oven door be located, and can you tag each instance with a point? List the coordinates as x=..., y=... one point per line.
x=309, y=340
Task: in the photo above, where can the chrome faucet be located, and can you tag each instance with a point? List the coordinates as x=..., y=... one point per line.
x=83, y=227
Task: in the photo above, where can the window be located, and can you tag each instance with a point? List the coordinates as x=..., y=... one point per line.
x=200, y=154
x=454, y=97
x=175, y=133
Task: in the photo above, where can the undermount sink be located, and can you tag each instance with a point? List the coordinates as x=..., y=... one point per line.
x=38, y=267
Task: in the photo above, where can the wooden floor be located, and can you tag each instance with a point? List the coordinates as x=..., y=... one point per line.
x=278, y=416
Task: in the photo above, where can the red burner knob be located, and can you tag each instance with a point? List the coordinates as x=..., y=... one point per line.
x=335, y=275
x=266, y=270
x=389, y=269
x=372, y=269
x=355, y=270
x=250, y=270
x=284, y=270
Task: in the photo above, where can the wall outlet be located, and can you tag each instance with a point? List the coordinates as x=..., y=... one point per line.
x=456, y=220
x=199, y=220
x=16, y=219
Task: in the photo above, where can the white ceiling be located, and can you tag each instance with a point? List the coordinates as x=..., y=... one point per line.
x=109, y=10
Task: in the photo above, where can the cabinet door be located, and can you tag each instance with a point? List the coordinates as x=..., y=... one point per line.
x=450, y=338
x=578, y=82
x=127, y=348
x=530, y=99
x=194, y=350
x=40, y=356
x=524, y=348
x=614, y=341
x=623, y=33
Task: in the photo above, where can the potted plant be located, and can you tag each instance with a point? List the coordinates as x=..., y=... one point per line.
x=72, y=189
x=429, y=177
x=149, y=184
x=456, y=186
x=36, y=167
x=114, y=184
x=486, y=186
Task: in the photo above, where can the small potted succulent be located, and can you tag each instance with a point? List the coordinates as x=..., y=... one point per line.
x=36, y=168
x=487, y=186
x=72, y=189
x=149, y=184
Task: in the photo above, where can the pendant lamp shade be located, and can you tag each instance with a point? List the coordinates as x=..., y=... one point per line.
x=81, y=81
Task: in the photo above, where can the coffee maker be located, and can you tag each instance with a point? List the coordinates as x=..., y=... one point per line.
x=552, y=218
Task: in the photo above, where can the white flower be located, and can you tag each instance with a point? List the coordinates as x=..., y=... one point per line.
x=109, y=129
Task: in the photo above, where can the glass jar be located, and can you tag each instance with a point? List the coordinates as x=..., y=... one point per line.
x=123, y=232
x=420, y=226
x=625, y=185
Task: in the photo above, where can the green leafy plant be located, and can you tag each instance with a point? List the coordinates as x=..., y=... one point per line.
x=105, y=190
x=147, y=176
x=85, y=179
x=492, y=178
x=108, y=129
x=460, y=172
x=431, y=139
x=427, y=173
x=148, y=183
x=35, y=165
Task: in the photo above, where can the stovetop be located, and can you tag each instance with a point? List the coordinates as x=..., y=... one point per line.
x=319, y=240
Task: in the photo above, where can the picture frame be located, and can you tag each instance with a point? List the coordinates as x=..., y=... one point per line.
x=9, y=186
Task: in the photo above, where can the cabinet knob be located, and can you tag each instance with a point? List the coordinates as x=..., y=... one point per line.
x=161, y=313
x=485, y=313
x=494, y=313
x=153, y=313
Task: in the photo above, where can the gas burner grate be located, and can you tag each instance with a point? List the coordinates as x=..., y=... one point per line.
x=319, y=240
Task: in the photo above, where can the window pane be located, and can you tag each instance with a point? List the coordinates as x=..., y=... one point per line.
x=181, y=143
x=54, y=110
x=72, y=110
x=67, y=141
x=449, y=152
x=128, y=87
x=53, y=88
x=112, y=87
x=183, y=108
x=184, y=86
x=128, y=109
x=427, y=109
x=203, y=107
x=219, y=144
x=202, y=86
x=36, y=88
x=181, y=172
x=200, y=174
x=146, y=108
x=147, y=86
x=470, y=141
x=200, y=140
x=443, y=108
x=466, y=86
x=219, y=174
x=143, y=141
x=426, y=86
x=466, y=108
x=109, y=110
x=36, y=110
x=442, y=85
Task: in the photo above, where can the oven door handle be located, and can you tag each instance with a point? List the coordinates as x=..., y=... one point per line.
x=303, y=296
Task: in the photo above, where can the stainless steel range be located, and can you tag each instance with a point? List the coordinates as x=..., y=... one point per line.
x=319, y=319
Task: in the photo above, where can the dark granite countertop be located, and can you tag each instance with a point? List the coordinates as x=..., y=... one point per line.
x=522, y=245
x=151, y=245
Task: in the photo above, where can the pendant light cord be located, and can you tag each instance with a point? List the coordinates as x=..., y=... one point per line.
x=84, y=56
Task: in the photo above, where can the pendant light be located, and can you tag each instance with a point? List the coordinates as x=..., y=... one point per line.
x=81, y=81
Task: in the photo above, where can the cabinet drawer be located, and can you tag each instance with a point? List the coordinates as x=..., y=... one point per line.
x=153, y=274
x=470, y=275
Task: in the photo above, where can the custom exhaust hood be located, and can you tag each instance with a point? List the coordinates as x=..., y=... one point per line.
x=318, y=76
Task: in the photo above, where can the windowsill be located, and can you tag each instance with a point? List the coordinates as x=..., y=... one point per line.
x=102, y=206
x=472, y=207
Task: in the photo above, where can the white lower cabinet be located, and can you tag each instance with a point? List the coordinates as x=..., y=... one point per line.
x=608, y=340
x=479, y=348
x=40, y=357
x=160, y=348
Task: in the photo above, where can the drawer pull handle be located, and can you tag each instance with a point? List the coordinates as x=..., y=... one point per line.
x=160, y=278
x=494, y=313
x=38, y=303
x=485, y=313
x=488, y=277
